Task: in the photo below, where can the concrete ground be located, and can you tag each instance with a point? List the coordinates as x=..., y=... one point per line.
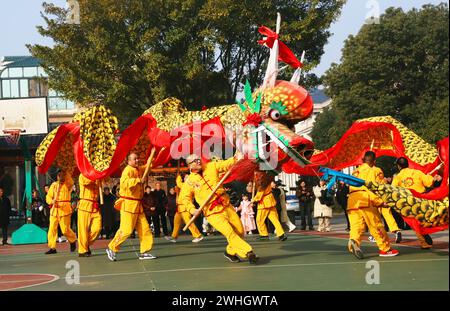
x=307, y=261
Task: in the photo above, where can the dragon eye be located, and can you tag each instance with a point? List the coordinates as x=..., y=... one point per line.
x=274, y=114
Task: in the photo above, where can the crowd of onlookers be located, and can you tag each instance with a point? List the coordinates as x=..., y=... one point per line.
x=315, y=202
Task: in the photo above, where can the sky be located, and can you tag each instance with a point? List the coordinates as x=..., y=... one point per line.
x=18, y=20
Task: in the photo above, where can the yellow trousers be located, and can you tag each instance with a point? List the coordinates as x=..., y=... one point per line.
x=89, y=227
x=229, y=224
x=423, y=243
x=389, y=218
x=129, y=222
x=64, y=224
x=272, y=214
x=369, y=216
x=180, y=218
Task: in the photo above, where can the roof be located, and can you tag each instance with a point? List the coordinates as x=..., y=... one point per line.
x=318, y=96
x=19, y=61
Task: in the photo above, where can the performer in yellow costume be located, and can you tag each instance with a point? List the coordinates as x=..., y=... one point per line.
x=183, y=215
x=416, y=180
x=377, y=176
x=89, y=217
x=362, y=210
x=131, y=213
x=220, y=214
x=267, y=209
x=58, y=198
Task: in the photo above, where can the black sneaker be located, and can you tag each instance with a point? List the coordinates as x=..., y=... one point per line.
x=428, y=239
x=89, y=252
x=356, y=250
x=51, y=251
x=282, y=237
x=232, y=258
x=84, y=255
x=398, y=237
x=252, y=258
x=263, y=238
x=73, y=247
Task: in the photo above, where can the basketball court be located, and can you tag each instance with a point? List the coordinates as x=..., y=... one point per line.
x=307, y=261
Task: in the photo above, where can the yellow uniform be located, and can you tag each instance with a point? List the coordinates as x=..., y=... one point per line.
x=375, y=174
x=413, y=179
x=131, y=213
x=60, y=212
x=362, y=209
x=267, y=209
x=417, y=180
x=89, y=217
x=219, y=213
x=183, y=213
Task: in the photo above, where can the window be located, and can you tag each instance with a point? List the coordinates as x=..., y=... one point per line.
x=5, y=73
x=6, y=89
x=41, y=72
x=24, y=88
x=14, y=88
x=30, y=72
x=15, y=72
x=58, y=103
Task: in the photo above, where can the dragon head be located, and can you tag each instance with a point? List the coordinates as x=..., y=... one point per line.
x=271, y=114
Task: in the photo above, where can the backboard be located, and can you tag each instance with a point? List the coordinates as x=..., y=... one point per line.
x=27, y=114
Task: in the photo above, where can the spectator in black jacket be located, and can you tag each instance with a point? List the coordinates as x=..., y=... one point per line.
x=342, y=198
x=37, y=209
x=108, y=213
x=160, y=216
x=305, y=198
x=171, y=206
x=5, y=211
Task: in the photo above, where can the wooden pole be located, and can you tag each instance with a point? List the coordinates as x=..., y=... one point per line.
x=200, y=210
x=149, y=163
x=100, y=192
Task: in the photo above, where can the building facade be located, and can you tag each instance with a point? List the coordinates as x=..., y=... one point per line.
x=22, y=77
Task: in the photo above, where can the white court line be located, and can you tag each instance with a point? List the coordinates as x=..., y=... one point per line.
x=256, y=267
x=368, y=242
x=143, y=265
x=55, y=278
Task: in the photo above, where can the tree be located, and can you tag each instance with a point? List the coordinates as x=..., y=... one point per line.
x=398, y=67
x=131, y=54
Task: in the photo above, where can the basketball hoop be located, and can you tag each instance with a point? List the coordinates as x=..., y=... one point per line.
x=12, y=136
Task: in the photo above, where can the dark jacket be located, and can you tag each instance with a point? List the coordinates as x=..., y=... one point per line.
x=149, y=201
x=161, y=200
x=5, y=211
x=276, y=192
x=107, y=210
x=171, y=204
x=342, y=195
x=304, y=196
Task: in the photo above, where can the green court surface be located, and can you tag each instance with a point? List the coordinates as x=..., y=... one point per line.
x=302, y=263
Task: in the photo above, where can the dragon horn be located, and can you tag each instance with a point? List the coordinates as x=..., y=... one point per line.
x=272, y=67
x=298, y=72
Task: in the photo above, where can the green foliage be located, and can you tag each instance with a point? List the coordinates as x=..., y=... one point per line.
x=398, y=67
x=131, y=54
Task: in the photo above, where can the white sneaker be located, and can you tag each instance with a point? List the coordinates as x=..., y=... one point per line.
x=250, y=233
x=371, y=239
x=292, y=227
x=170, y=239
x=111, y=254
x=144, y=256
x=196, y=240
